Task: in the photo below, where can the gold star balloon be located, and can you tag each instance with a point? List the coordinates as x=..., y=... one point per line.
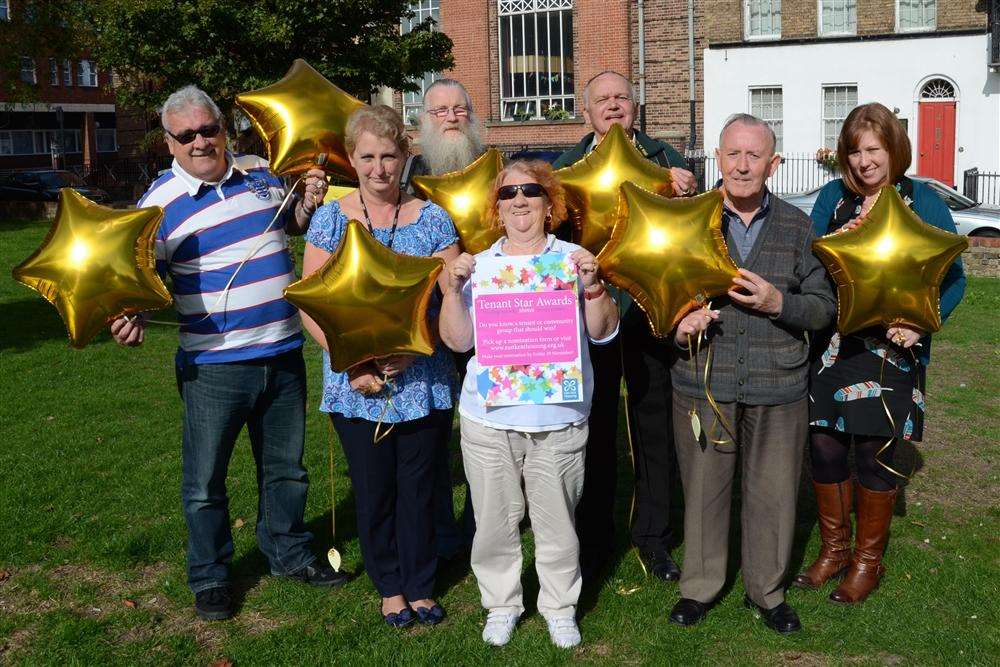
x=96, y=264
x=369, y=301
x=335, y=192
x=592, y=185
x=463, y=194
x=889, y=269
x=669, y=254
x=302, y=118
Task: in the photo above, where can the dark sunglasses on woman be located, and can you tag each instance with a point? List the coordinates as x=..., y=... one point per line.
x=527, y=189
x=186, y=137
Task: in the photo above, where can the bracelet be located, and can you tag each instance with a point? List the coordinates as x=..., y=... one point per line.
x=596, y=294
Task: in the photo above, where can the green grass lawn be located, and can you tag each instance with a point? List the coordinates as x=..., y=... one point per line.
x=92, y=537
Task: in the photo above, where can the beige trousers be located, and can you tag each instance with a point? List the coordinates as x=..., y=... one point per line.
x=772, y=440
x=551, y=467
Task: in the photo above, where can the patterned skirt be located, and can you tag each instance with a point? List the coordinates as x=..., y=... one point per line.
x=851, y=376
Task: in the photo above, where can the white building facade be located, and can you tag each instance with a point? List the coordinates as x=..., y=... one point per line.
x=940, y=85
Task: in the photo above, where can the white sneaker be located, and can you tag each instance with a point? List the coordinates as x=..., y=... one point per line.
x=499, y=627
x=564, y=632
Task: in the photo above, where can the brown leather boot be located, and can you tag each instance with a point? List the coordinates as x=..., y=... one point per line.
x=833, y=509
x=874, y=517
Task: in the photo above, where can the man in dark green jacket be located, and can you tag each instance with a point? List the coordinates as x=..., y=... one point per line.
x=609, y=98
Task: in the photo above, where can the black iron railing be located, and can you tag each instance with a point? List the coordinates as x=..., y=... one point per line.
x=982, y=188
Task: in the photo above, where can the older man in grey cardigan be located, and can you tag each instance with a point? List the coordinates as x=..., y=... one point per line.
x=759, y=338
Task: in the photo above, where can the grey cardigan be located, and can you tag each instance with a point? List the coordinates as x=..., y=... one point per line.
x=759, y=360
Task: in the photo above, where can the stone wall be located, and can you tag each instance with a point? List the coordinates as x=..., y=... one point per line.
x=983, y=257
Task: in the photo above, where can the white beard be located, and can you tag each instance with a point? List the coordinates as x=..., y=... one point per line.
x=445, y=152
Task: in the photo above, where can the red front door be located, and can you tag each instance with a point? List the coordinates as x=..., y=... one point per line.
x=936, y=125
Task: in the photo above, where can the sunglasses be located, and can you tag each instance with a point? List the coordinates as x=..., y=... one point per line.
x=527, y=189
x=186, y=137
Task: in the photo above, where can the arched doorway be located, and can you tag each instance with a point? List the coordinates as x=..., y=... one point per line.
x=936, y=130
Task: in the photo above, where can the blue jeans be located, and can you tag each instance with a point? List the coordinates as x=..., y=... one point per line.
x=268, y=396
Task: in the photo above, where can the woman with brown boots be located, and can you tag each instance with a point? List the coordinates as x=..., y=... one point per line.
x=856, y=378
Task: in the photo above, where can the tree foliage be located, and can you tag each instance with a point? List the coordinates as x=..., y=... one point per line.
x=226, y=47
x=38, y=29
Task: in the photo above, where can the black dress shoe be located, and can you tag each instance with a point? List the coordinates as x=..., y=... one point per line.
x=214, y=604
x=782, y=618
x=320, y=574
x=660, y=564
x=688, y=612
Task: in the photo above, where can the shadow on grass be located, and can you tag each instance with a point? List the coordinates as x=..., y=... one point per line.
x=26, y=323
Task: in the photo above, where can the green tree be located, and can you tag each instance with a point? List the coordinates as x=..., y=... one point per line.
x=38, y=29
x=227, y=47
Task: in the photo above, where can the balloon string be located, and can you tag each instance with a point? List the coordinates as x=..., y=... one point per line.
x=379, y=434
x=693, y=351
x=892, y=422
x=333, y=486
x=225, y=290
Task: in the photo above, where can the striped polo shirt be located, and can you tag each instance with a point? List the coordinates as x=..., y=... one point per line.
x=207, y=230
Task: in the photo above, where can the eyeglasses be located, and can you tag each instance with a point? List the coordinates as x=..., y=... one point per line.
x=527, y=189
x=441, y=112
x=186, y=137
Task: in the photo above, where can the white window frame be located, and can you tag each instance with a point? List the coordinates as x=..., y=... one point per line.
x=780, y=133
x=41, y=141
x=819, y=19
x=33, y=70
x=823, y=117
x=86, y=74
x=923, y=28
x=67, y=73
x=414, y=101
x=534, y=8
x=53, y=72
x=747, y=35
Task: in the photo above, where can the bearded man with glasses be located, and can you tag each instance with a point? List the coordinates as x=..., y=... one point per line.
x=240, y=357
x=449, y=140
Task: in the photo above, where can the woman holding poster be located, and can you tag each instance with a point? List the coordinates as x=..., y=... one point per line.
x=525, y=304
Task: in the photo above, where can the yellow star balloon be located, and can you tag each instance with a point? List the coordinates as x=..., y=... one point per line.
x=301, y=118
x=463, y=194
x=96, y=264
x=669, y=254
x=889, y=269
x=592, y=185
x=369, y=301
x=335, y=192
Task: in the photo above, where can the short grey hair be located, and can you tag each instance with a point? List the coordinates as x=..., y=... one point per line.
x=752, y=121
x=186, y=97
x=586, y=88
x=448, y=83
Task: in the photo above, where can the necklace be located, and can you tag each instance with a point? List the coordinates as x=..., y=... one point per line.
x=395, y=219
x=508, y=242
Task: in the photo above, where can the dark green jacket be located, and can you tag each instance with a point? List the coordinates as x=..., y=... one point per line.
x=655, y=150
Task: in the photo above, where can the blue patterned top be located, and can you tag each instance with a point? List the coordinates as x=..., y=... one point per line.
x=429, y=383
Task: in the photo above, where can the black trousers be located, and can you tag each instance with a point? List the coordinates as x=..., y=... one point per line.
x=647, y=375
x=394, y=492
x=647, y=362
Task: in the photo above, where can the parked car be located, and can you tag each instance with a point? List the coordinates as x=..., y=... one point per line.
x=971, y=218
x=44, y=185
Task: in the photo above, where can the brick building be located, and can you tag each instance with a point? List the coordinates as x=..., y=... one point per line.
x=75, y=89
x=804, y=64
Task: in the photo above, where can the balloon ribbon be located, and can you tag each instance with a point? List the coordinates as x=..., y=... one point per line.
x=892, y=422
x=720, y=418
x=332, y=555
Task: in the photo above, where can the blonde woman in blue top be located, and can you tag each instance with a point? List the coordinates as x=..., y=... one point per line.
x=541, y=446
x=393, y=481
x=873, y=151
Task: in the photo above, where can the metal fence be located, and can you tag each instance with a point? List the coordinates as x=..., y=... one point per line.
x=123, y=172
x=982, y=188
x=796, y=173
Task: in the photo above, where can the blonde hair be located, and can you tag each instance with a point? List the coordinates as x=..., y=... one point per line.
x=545, y=176
x=380, y=120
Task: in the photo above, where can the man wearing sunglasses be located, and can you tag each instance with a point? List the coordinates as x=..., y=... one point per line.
x=609, y=99
x=224, y=245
